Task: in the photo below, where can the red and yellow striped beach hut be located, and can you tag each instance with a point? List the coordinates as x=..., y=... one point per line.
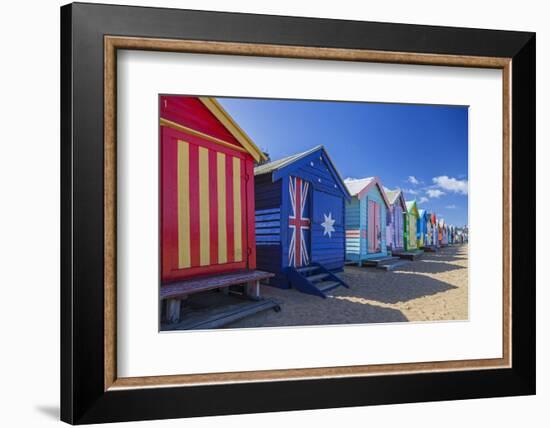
x=207, y=190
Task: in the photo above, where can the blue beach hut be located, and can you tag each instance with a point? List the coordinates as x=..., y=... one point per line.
x=300, y=217
x=422, y=228
x=366, y=220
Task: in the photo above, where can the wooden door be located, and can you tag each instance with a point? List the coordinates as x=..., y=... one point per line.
x=327, y=231
x=373, y=226
x=299, y=222
x=377, y=228
x=412, y=231
x=399, y=223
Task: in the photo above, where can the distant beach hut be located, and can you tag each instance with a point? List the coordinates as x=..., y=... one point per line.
x=410, y=225
x=366, y=220
x=443, y=237
x=452, y=238
x=430, y=232
x=435, y=230
x=431, y=226
x=422, y=228
x=300, y=218
x=394, y=219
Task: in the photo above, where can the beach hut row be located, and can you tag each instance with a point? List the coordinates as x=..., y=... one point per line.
x=230, y=217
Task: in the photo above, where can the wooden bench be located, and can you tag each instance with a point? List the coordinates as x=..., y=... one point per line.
x=175, y=292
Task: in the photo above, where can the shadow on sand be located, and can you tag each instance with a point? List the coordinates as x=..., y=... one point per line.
x=428, y=266
x=342, y=306
x=369, y=298
x=368, y=313
x=451, y=254
x=449, y=257
x=403, y=287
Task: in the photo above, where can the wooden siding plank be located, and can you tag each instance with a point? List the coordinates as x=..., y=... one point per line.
x=204, y=203
x=268, y=211
x=222, y=221
x=268, y=217
x=267, y=224
x=271, y=231
x=237, y=206
x=230, y=210
x=194, y=217
x=213, y=200
x=169, y=220
x=250, y=212
x=184, y=248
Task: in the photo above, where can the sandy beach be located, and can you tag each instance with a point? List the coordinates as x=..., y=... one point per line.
x=434, y=287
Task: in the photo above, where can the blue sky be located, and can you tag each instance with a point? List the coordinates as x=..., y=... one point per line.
x=422, y=149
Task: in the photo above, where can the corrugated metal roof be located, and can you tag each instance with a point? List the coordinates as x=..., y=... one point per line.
x=280, y=163
x=356, y=185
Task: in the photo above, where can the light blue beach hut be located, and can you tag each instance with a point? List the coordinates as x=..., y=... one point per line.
x=366, y=220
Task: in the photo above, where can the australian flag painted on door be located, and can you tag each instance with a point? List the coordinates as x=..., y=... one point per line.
x=300, y=214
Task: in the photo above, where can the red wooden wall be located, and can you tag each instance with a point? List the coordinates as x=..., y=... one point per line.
x=207, y=194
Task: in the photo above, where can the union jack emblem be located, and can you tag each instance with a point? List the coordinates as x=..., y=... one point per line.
x=297, y=252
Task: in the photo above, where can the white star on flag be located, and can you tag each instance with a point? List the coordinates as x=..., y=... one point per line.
x=328, y=225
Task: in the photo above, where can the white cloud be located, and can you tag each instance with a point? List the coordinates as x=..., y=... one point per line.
x=423, y=199
x=450, y=207
x=413, y=180
x=451, y=184
x=434, y=193
x=411, y=191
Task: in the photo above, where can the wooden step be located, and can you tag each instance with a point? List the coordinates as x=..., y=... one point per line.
x=307, y=269
x=388, y=260
x=380, y=260
x=327, y=285
x=392, y=266
x=409, y=255
x=317, y=277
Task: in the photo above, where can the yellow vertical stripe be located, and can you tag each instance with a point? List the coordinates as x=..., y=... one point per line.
x=237, y=220
x=222, y=207
x=184, y=241
x=204, y=203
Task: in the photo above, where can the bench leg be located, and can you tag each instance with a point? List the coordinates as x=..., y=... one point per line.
x=173, y=310
x=252, y=290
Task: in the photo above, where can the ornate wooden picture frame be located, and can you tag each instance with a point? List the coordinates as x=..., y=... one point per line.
x=91, y=390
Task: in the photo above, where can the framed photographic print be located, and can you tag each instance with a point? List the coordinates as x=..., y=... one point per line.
x=266, y=213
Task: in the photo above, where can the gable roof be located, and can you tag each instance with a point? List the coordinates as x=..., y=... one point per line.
x=412, y=207
x=394, y=196
x=281, y=163
x=280, y=167
x=361, y=186
x=221, y=114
